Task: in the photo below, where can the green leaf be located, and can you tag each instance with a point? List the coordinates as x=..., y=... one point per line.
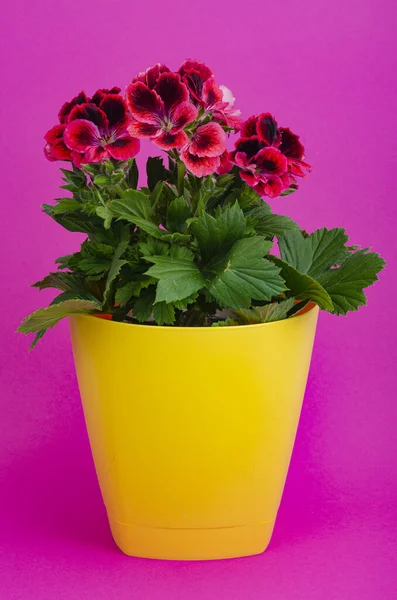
x=102, y=180
x=226, y=323
x=106, y=214
x=303, y=287
x=156, y=193
x=44, y=318
x=132, y=288
x=345, y=285
x=59, y=280
x=155, y=171
x=153, y=246
x=247, y=275
x=133, y=175
x=143, y=306
x=216, y=234
x=164, y=314
x=36, y=338
x=117, y=263
x=271, y=225
x=276, y=311
x=177, y=277
x=65, y=205
x=74, y=295
x=316, y=253
x=175, y=238
x=177, y=214
x=132, y=204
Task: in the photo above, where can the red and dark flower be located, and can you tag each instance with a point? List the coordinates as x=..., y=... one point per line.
x=100, y=132
x=161, y=112
x=67, y=107
x=56, y=149
x=269, y=158
x=151, y=75
x=202, y=153
x=207, y=94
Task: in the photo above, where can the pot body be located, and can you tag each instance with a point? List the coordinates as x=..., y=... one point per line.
x=192, y=430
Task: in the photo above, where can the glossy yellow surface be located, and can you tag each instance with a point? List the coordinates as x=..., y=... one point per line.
x=192, y=430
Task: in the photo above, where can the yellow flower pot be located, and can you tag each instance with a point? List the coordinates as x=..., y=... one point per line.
x=192, y=430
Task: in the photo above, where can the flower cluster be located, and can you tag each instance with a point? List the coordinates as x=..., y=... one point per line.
x=92, y=130
x=185, y=113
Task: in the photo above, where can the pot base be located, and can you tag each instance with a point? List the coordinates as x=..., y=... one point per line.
x=192, y=544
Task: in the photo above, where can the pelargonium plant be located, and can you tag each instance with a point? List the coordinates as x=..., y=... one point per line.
x=194, y=246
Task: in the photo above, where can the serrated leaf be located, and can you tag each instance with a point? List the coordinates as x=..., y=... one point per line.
x=65, y=205
x=225, y=323
x=131, y=289
x=143, y=306
x=276, y=311
x=302, y=286
x=146, y=226
x=183, y=304
x=44, y=318
x=345, y=284
x=247, y=275
x=153, y=247
x=218, y=234
x=59, y=280
x=177, y=278
x=132, y=204
x=95, y=265
x=271, y=225
x=164, y=314
x=177, y=214
x=156, y=193
x=117, y=263
x=74, y=295
x=133, y=175
x=106, y=214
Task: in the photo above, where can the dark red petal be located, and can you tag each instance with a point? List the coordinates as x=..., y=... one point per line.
x=290, y=144
x=142, y=130
x=249, y=177
x=47, y=153
x=194, y=65
x=250, y=146
x=225, y=164
x=77, y=158
x=124, y=147
x=267, y=129
x=212, y=94
x=101, y=93
x=115, y=109
x=54, y=134
x=153, y=73
x=208, y=140
x=271, y=161
x=168, y=140
x=200, y=166
x=95, y=154
x=60, y=151
x=89, y=112
x=81, y=134
x=144, y=104
x=171, y=90
x=273, y=186
x=67, y=107
x=248, y=128
x=181, y=115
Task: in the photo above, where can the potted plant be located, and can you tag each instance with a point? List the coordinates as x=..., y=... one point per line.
x=192, y=308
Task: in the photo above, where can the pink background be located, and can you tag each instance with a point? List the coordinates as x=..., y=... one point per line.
x=327, y=70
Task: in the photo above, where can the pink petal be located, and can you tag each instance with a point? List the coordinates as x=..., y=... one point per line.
x=249, y=178
x=200, y=166
x=89, y=112
x=271, y=161
x=225, y=164
x=145, y=105
x=181, y=115
x=208, y=140
x=171, y=90
x=267, y=129
x=142, y=130
x=240, y=158
x=212, y=94
x=124, y=147
x=168, y=140
x=81, y=134
x=272, y=187
x=115, y=109
x=248, y=128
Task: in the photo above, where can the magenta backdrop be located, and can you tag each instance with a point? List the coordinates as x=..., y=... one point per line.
x=327, y=70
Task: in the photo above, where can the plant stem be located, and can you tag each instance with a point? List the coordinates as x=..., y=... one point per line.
x=118, y=189
x=181, y=177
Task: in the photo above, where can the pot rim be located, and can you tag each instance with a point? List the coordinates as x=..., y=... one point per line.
x=178, y=328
